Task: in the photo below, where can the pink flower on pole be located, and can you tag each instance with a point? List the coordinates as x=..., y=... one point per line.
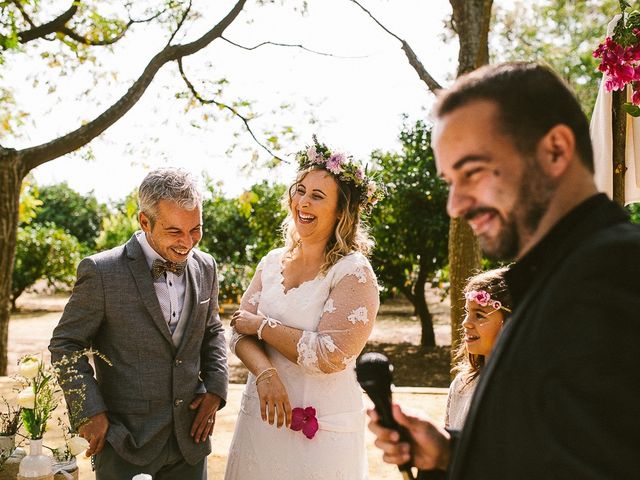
x=305, y=420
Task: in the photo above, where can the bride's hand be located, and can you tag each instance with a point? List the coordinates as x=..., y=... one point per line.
x=245, y=322
x=274, y=401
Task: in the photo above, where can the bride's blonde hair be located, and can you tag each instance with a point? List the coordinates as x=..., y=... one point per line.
x=350, y=234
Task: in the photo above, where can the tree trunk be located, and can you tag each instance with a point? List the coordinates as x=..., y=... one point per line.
x=11, y=175
x=471, y=21
x=427, y=338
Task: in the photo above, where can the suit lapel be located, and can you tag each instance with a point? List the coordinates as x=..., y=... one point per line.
x=193, y=270
x=142, y=276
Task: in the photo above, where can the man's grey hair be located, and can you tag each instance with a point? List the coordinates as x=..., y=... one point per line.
x=174, y=184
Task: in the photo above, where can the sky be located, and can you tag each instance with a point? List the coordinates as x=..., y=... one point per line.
x=354, y=100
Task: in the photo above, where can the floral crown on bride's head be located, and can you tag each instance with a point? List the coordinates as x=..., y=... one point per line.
x=346, y=169
x=483, y=298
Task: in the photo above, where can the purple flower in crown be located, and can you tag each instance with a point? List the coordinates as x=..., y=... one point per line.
x=334, y=164
x=360, y=174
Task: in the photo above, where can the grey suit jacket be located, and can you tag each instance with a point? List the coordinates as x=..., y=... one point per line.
x=147, y=391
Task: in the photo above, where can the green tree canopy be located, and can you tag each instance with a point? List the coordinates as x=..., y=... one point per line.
x=43, y=251
x=238, y=232
x=411, y=225
x=562, y=33
x=79, y=215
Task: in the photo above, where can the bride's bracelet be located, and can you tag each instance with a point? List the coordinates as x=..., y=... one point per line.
x=266, y=373
x=267, y=321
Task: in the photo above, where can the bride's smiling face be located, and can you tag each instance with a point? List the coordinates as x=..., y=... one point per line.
x=314, y=205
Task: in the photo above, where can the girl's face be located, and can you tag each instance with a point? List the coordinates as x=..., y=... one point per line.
x=481, y=327
x=314, y=205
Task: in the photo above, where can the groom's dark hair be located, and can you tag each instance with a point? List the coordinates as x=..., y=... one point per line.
x=531, y=99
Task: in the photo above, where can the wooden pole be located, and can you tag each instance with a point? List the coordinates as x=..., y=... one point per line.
x=619, y=135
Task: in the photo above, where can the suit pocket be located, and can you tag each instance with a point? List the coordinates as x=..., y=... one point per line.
x=205, y=301
x=129, y=406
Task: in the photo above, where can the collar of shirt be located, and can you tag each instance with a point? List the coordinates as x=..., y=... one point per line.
x=593, y=214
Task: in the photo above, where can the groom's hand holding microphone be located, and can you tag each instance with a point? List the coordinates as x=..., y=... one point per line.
x=405, y=440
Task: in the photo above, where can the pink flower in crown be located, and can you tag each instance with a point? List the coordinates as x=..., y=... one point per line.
x=481, y=297
x=371, y=188
x=312, y=154
x=305, y=420
x=334, y=164
x=360, y=174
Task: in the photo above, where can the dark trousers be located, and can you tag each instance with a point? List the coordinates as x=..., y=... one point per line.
x=169, y=465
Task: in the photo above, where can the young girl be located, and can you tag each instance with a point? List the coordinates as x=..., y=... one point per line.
x=488, y=305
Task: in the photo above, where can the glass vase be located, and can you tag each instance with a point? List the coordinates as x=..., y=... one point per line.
x=36, y=465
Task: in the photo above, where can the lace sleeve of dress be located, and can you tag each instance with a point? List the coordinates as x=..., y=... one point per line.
x=250, y=301
x=346, y=323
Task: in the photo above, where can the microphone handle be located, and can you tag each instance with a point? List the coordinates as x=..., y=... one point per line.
x=382, y=405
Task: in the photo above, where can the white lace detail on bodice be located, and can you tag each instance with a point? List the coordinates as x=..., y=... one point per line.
x=346, y=320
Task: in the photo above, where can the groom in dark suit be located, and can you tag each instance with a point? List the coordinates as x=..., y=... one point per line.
x=150, y=306
x=558, y=398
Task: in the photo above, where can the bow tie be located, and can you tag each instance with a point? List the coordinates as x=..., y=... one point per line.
x=159, y=267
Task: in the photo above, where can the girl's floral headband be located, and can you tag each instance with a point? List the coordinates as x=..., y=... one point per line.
x=483, y=298
x=346, y=169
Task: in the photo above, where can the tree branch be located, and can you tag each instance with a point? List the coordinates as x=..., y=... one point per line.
x=283, y=45
x=205, y=101
x=422, y=72
x=35, y=156
x=94, y=43
x=53, y=26
x=24, y=13
x=180, y=23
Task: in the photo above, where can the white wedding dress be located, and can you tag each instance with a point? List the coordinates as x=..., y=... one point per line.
x=336, y=312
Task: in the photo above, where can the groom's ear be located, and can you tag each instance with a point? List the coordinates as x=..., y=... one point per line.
x=145, y=222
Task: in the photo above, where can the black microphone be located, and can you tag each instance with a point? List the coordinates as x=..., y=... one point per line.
x=373, y=371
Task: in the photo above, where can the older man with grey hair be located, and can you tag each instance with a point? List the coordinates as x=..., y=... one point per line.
x=151, y=307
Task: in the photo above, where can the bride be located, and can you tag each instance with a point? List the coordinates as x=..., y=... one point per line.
x=302, y=322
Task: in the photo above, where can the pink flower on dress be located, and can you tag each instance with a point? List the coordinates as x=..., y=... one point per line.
x=334, y=164
x=305, y=420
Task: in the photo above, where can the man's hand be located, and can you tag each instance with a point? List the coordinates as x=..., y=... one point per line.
x=428, y=447
x=207, y=405
x=95, y=432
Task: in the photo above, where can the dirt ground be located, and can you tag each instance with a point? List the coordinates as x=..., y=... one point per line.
x=396, y=333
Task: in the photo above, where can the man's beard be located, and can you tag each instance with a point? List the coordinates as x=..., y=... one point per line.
x=534, y=195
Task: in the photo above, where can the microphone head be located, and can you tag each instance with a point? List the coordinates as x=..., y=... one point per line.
x=374, y=372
